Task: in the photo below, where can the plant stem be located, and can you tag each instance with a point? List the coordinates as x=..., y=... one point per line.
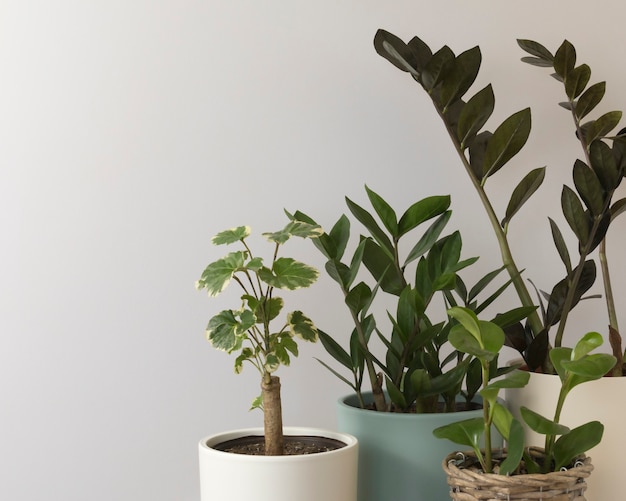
x=551, y=439
x=505, y=251
x=486, y=420
x=272, y=416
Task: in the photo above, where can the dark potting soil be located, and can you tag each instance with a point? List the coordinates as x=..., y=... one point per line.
x=294, y=445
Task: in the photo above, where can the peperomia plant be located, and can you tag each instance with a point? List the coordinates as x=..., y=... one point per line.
x=484, y=340
x=249, y=328
x=588, y=207
x=417, y=370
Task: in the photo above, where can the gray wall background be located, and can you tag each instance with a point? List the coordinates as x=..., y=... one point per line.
x=132, y=131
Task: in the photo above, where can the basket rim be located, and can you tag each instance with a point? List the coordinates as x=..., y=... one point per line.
x=582, y=467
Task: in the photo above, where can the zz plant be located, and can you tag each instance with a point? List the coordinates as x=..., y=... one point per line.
x=588, y=207
x=249, y=329
x=417, y=369
x=484, y=340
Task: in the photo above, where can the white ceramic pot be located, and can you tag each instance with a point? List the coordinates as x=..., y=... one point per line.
x=602, y=400
x=326, y=476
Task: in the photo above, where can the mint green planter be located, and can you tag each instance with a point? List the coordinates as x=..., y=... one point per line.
x=399, y=458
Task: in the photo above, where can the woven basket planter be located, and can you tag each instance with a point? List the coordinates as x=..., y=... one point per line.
x=471, y=485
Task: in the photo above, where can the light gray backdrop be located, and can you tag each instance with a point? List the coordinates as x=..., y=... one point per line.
x=131, y=131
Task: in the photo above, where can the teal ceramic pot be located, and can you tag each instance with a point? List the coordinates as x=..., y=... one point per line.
x=399, y=457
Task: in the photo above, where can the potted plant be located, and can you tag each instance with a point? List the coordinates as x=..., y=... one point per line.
x=255, y=329
x=417, y=383
x=588, y=207
x=558, y=470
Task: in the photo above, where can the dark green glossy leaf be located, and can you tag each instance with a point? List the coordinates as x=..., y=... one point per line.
x=324, y=243
x=601, y=127
x=450, y=252
x=422, y=211
x=507, y=140
x=386, y=214
x=575, y=215
x=355, y=264
x=618, y=208
x=590, y=99
x=577, y=80
x=460, y=77
x=559, y=292
x=600, y=232
x=335, y=350
x=523, y=191
x=409, y=309
x=561, y=246
x=513, y=317
x=537, y=351
x=394, y=50
x=515, y=337
x=339, y=272
x=382, y=268
x=477, y=148
x=358, y=297
x=564, y=59
x=429, y=237
x=604, y=165
x=421, y=52
x=475, y=114
x=338, y=375
x=396, y=395
x=340, y=234
x=536, y=49
x=437, y=67
x=536, y=61
x=366, y=219
x=483, y=283
x=448, y=381
x=589, y=187
x=576, y=442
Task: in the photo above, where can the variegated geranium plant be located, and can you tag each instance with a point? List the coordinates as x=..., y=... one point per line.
x=255, y=328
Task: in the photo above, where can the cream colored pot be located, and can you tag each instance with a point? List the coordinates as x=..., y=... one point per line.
x=603, y=400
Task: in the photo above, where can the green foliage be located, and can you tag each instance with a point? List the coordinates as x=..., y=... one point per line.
x=414, y=370
x=248, y=328
x=483, y=340
x=588, y=206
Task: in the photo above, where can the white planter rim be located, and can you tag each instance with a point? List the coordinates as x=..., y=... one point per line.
x=207, y=443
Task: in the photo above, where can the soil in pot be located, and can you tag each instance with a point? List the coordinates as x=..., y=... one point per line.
x=295, y=445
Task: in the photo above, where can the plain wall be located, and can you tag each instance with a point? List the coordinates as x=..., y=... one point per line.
x=132, y=131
